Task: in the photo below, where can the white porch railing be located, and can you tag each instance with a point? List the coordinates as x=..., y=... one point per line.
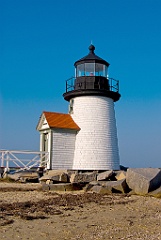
x=23, y=160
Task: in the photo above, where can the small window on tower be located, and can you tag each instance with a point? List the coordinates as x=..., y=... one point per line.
x=71, y=106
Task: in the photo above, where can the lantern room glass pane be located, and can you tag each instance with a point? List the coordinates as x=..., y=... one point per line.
x=89, y=69
x=105, y=71
x=101, y=70
x=80, y=70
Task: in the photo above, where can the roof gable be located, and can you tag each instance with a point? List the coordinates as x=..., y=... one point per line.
x=57, y=120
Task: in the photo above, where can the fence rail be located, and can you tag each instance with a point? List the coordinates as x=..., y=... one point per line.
x=71, y=85
x=23, y=160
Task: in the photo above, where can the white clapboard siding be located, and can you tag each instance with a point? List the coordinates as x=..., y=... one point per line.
x=96, y=143
x=63, y=145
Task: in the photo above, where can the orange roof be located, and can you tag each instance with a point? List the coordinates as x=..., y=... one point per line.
x=60, y=120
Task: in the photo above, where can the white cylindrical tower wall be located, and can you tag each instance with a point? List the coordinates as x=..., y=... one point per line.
x=96, y=146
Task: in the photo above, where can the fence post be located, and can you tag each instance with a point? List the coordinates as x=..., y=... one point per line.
x=7, y=162
x=2, y=162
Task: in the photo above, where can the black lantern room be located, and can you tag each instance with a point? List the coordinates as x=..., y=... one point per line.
x=91, y=78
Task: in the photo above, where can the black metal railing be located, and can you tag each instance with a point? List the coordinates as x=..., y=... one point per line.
x=114, y=84
x=72, y=84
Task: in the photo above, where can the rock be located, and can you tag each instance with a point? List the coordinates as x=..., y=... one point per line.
x=62, y=177
x=119, y=186
x=101, y=189
x=49, y=181
x=15, y=176
x=90, y=185
x=156, y=193
x=131, y=192
x=29, y=177
x=55, y=172
x=120, y=175
x=83, y=177
x=104, y=175
x=64, y=187
x=24, y=176
x=143, y=180
x=44, y=178
x=123, y=168
x=70, y=172
x=55, y=176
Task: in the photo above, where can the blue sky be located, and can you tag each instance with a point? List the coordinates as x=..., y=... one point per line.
x=41, y=39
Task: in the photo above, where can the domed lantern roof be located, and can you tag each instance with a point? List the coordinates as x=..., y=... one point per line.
x=91, y=57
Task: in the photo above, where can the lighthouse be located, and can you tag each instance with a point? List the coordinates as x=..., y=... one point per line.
x=85, y=138
x=91, y=95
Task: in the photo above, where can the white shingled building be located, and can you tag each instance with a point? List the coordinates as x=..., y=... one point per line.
x=86, y=137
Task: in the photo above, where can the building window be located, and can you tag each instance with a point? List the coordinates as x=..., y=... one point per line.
x=71, y=106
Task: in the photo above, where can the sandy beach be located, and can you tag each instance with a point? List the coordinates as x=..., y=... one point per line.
x=27, y=212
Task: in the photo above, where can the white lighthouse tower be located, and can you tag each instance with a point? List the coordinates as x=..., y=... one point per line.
x=91, y=95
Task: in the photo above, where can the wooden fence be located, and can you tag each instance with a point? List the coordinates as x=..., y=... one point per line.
x=23, y=160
